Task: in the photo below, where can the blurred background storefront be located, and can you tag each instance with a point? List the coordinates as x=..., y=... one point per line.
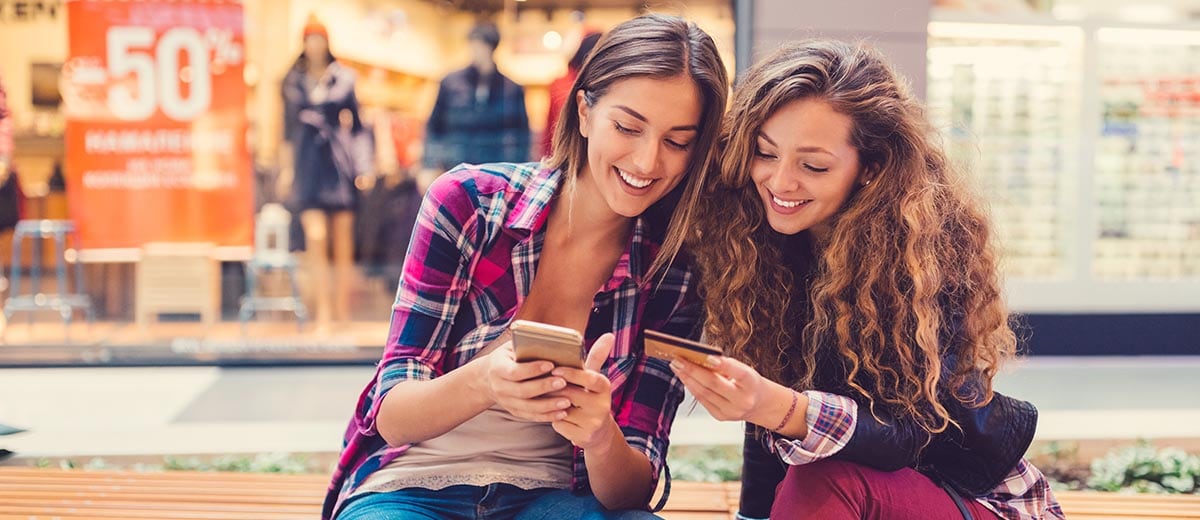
x=1079, y=120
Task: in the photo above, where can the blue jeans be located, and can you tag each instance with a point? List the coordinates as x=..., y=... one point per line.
x=494, y=501
x=562, y=505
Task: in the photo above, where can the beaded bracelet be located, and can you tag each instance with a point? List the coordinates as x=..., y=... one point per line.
x=791, y=410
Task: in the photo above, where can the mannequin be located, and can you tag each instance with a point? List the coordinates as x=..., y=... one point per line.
x=319, y=166
x=479, y=115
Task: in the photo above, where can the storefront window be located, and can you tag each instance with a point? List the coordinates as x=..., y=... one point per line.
x=1001, y=95
x=155, y=211
x=1079, y=121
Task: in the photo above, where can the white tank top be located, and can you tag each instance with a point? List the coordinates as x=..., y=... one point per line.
x=492, y=447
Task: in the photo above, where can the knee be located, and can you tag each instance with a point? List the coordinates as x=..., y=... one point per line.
x=823, y=489
x=316, y=234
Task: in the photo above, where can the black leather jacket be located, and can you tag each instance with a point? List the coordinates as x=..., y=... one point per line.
x=973, y=460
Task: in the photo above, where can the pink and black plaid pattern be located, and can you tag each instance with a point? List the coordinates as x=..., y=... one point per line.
x=1023, y=495
x=470, y=263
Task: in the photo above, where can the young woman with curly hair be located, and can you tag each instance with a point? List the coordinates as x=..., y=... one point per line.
x=850, y=278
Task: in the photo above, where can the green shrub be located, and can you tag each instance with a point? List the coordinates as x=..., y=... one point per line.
x=1142, y=468
x=706, y=463
x=261, y=463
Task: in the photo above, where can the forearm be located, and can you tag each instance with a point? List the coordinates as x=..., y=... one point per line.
x=619, y=475
x=406, y=417
x=778, y=406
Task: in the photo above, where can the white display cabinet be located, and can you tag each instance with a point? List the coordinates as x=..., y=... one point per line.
x=1148, y=155
x=1084, y=138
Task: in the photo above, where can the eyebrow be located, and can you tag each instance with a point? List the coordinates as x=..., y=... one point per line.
x=801, y=149
x=642, y=118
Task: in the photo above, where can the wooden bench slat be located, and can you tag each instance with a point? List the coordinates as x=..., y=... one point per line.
x=55, y=496
x=266, y=484
x=1134, y=514
x=132, y=503
x=180, y=488
x=1096, y=505
x=25, y=513
x=190, y=476
x=1096, y=496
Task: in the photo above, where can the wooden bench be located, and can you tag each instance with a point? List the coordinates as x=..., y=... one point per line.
x=1093, y=505
x=42, y=494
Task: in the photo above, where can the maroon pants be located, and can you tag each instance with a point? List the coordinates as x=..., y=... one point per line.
x=835, y=490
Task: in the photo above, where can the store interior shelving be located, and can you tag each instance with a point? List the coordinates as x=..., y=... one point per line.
x=1084, y=138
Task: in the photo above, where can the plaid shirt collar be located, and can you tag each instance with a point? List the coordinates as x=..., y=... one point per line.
x=535, y=198
x=535, y=195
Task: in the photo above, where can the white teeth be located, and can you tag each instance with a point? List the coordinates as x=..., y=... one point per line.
x=787, y=204
x=634, y=181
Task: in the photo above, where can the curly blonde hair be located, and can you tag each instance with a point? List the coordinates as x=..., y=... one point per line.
x=907, y=278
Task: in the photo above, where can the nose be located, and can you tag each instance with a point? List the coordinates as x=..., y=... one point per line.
x=782, y=180
x=645, y=157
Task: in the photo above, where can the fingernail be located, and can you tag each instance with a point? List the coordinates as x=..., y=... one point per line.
x=560, y=416
x=676, y=365
x=559, y=383
x=564, y=404
x=546, y=367
x=558, y=372
x=711, y=361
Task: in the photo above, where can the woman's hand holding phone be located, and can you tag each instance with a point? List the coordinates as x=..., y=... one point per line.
x=575, y=398
x=523, y=388
x=589, y=424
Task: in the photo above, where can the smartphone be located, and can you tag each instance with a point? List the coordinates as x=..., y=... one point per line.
x=559, y=345
x=665, y=346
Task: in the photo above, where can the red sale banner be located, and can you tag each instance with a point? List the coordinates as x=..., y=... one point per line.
x=156, y=123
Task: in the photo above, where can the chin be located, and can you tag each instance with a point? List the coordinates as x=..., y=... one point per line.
x=626, y=206
x=629, y=211
x=786, y=228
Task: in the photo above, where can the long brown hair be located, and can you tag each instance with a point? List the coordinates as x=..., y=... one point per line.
x=908, y=277
x=657, y=46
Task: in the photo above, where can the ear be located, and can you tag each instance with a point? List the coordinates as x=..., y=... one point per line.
x=584, y=112
x=867, y=176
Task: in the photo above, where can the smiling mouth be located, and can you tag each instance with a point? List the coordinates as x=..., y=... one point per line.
x=788, y=204
x=634, y=181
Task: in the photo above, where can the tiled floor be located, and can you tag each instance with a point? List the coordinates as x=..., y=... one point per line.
x=130, y=411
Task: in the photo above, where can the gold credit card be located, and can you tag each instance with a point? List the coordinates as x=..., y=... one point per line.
x=668, y=347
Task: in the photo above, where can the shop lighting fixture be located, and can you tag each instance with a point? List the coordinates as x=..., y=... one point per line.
x=1147, y=36
x=995, y=31
x=1069, y=12
x=1147, y=13
x=552, y=40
